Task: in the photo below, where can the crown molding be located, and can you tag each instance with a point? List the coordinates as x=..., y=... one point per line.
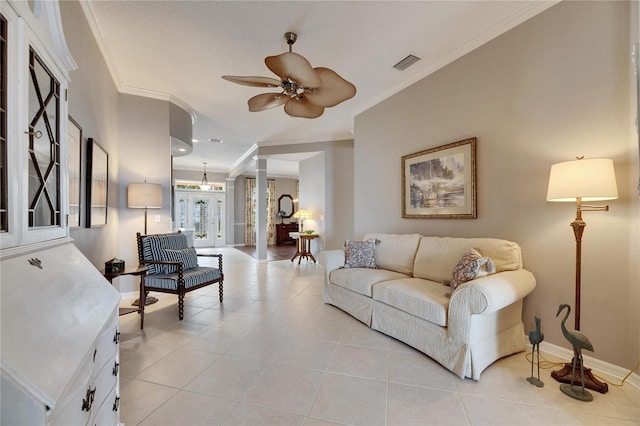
x=98, y=35
x=152, y=94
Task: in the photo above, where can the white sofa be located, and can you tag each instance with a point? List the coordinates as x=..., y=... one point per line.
x=407, y=297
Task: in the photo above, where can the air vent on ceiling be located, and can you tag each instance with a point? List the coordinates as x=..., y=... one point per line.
x=406, y=62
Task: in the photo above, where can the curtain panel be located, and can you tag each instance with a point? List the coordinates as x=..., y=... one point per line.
x=250, y=213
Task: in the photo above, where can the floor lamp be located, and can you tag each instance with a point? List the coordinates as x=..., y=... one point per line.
x=577, y=181
x=144, y=196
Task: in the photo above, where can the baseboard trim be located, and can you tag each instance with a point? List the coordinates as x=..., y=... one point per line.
x=593, y=363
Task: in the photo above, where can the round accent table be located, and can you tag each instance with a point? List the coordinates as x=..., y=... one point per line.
x=303, y=246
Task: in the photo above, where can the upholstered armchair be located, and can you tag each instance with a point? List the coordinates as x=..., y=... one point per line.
x=173, y=266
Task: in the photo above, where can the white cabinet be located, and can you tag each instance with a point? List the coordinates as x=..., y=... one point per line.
x=58, y=314
x=60, y=339
x=33, y=123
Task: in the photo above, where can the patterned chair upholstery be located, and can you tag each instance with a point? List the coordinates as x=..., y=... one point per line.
x=173, y=266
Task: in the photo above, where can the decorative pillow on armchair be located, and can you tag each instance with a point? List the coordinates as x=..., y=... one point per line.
x=187, y=256
x=360, y=254
x=471, y=266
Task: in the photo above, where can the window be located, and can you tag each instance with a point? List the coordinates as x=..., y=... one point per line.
x=195, y=186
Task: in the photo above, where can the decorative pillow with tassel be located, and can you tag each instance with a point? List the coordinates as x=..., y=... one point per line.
x=472, y=265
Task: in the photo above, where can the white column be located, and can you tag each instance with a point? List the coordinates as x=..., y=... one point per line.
x=230, y=207
x=261, y=207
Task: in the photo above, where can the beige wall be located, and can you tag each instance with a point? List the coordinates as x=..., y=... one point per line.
x=553, y=88
x=93, y=103
x=143, y=137
x=135, y=133
x=313, y=197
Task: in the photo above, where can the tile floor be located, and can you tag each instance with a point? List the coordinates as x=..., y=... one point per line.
x=274, y=354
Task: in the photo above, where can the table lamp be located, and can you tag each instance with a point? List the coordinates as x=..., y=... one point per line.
x=301, y=215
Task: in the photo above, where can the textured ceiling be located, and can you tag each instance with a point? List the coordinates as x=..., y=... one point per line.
x=178, y=50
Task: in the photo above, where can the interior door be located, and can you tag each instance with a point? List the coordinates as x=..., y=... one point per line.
x=204, y=214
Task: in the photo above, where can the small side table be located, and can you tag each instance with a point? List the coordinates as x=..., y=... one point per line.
x=138, y=272
x=303, y=246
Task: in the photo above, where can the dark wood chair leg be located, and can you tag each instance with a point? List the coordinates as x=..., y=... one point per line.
x=220, y=290
x=181, y=305
x=142, y=299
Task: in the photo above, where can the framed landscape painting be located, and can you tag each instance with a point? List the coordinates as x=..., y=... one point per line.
x=440, y=183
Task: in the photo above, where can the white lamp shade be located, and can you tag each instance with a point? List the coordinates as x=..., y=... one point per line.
x=144, y=195
x=302, y=214
x=591, y=180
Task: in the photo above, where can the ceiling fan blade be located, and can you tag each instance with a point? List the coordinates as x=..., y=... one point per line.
x=301, y=107
x=267, y=101
x=253, y=81
x=293, y=66
x=334, y=89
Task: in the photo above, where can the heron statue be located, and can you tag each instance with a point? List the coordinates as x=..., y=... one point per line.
x=535, y=337
x=579, y=342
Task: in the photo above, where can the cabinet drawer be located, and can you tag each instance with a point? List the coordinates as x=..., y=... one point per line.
x=69, y=410
x=104, y=385
x=109, y=412
x=107, y=344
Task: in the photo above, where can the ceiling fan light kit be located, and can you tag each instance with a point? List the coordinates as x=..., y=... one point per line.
x=306, y=91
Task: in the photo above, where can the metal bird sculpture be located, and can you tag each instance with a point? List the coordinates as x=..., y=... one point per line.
x=579, y=342
x=535, y=337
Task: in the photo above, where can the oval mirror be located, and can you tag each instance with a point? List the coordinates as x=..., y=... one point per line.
x=285, y=206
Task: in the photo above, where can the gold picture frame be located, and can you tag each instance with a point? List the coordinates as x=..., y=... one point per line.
x=440, y=182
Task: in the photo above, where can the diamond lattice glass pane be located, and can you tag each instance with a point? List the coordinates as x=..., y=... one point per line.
x=52, y=118
x=42, y=213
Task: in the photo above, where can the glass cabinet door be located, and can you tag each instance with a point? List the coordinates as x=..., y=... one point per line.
x=44, y=146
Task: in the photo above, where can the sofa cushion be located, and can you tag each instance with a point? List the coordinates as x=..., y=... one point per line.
x=472, y=265
x=360, y=280
x=396, y=252
x=422, y=298
x=360, y=254
x=438, y=256
x=193, y=277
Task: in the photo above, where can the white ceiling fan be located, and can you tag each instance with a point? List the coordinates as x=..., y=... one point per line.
x=306, y=91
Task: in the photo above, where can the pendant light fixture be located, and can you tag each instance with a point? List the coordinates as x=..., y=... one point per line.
x=204, y=185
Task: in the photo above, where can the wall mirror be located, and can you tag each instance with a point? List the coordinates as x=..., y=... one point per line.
x=285, y=204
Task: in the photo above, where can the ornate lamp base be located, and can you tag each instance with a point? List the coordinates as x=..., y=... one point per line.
x=576, y=392
x=590, y=382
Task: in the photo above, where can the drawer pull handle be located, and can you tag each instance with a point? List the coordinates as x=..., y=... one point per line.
x=116, y=404
x=87, y=402
x=95, y=351
x=116, y=337
x=116, y=367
